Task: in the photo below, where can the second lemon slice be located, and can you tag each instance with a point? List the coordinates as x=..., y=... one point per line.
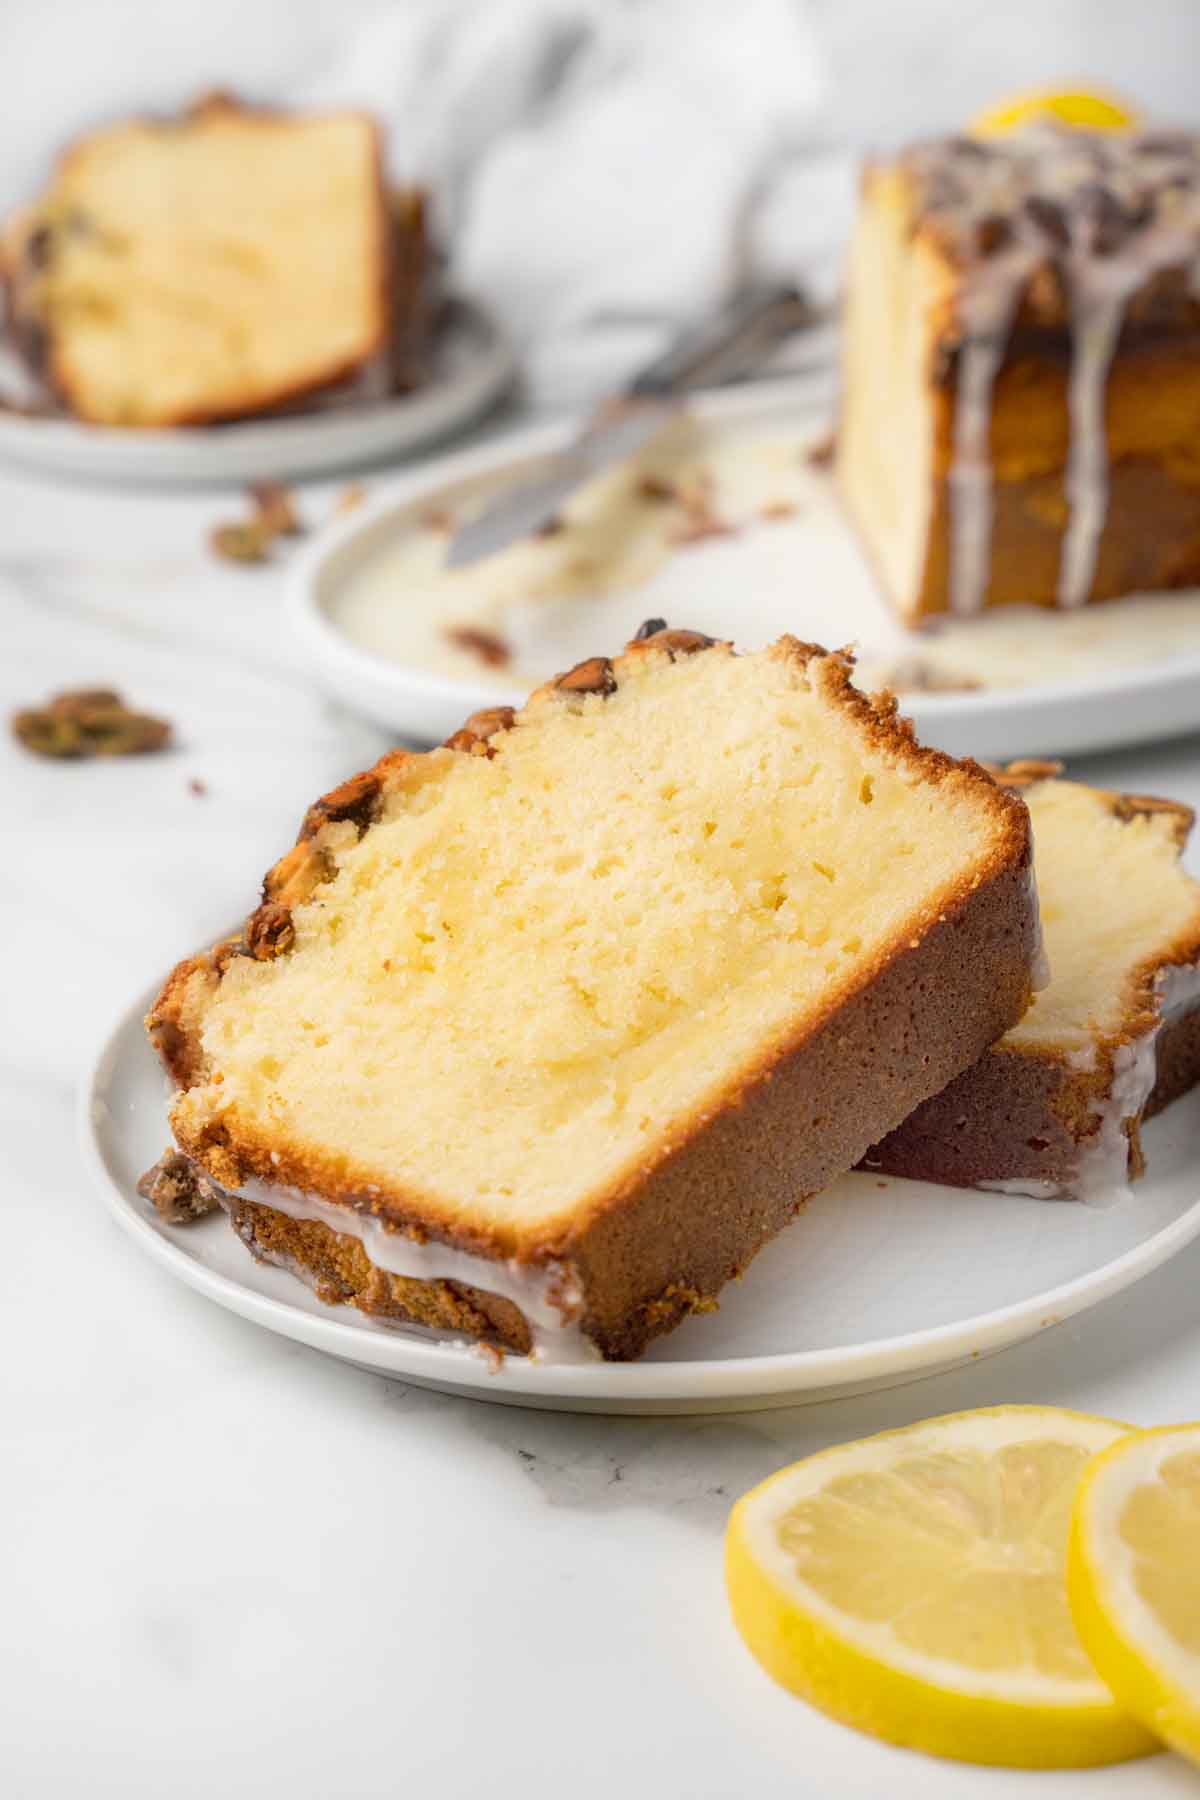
x=913, y=1585
x=1134, y=1577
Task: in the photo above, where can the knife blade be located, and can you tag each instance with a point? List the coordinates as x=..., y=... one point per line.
x=734, y=342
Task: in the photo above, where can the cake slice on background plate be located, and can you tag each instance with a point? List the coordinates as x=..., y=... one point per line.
x=1020, y=421
x=1054, y=1109
x=543, y=1034
x=208, y=267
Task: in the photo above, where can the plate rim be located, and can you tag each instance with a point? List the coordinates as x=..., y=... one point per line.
x=299, y=443
x=453, y=1365
x=324, y=643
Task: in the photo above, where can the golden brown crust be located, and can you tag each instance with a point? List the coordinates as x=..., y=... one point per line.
x=669, y=1231
x=34, y=338
x=1023, y=1113
x=341, y=1273
x=357, y=800
x=1024, y=772
x=476, y=735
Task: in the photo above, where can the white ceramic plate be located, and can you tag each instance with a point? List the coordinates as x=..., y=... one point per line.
x=473, y=365
x=875, y=1283
x=1106, y=676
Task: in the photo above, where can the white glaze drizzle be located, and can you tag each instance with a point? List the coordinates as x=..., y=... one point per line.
x=1027, y=1186
x=547, y=1295
x=1101, y=1177
x=1101, y=1174
x=987, y=313
x=1096, y=319
x=1101, y=288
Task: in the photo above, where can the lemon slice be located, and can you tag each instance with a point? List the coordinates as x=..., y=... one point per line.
x=1134, y=1577
x=1078, y=107
x=913, y=1585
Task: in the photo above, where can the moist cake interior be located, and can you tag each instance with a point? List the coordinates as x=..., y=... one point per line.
x=533, y=963
x=1080, y=843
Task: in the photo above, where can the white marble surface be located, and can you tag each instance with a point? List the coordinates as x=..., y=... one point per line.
x=228, y=1566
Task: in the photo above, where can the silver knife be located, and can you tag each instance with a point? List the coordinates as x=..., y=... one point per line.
x=734, y=342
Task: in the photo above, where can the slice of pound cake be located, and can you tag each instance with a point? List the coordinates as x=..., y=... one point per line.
x=208, y=267
x=1055, y=1107
x=543, y=1034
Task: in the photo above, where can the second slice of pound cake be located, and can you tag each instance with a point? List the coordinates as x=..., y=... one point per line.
x=1054, y=1108
x=541, y=1035
x=209, y=267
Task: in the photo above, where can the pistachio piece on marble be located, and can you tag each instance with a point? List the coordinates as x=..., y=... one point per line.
x=89, y=722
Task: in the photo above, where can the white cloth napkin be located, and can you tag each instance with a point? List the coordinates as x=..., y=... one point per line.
x=605, y=170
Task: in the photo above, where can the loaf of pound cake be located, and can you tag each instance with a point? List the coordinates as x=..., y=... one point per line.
x=541, y=1035
x=1054, y=1109
x=214, y=266
x=1021, y=397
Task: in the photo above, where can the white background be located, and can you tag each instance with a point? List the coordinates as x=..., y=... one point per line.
x=898, y=68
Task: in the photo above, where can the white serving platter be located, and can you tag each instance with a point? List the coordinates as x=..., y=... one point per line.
x=472, y=366
x=1106, y=676
x=876, y=1283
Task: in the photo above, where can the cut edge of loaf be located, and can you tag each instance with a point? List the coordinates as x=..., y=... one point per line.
x=689, y=1213
x=1023, y=1119
x=42, y=354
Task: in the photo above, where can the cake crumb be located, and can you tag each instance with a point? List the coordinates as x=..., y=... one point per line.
x=437, y=518
x=820, y=455
x=778, y=509
x=197, y=787
x=350, y=498
x=700, y=528
x=918, y=675
x=656, y=489
x=250, y=540
x=178, y=1190
x=276, y=508
x=701, y=520
x=489, y=648
x=242, y=541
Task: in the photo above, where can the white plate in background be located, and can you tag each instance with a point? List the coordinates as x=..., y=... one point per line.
x=877, y=1282
x=1116, y=674
x=472, y=366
